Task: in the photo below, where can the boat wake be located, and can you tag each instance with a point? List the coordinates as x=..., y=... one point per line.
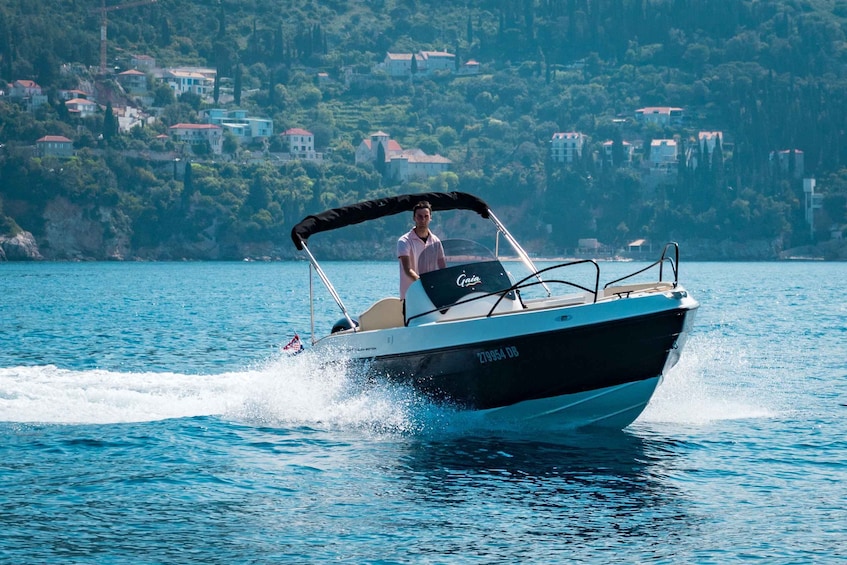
x=302, y=391
x=286, y=391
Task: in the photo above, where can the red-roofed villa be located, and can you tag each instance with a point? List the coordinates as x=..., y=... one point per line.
x=54, y=146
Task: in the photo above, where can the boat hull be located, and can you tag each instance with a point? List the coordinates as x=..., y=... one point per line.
x=490, y=374
x=558, y=358
x=609, y=407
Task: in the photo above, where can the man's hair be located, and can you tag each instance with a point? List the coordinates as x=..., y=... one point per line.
x=422, y=204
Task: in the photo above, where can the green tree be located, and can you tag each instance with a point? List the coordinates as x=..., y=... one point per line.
x=229, y=145
x=236, y=92
x=188, y=180
x=380, y=159
x=163, y=96
x=110, y=124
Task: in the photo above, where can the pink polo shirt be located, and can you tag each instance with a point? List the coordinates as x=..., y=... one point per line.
x=411, y=246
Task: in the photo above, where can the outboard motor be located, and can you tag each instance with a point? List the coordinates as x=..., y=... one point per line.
x=342, y=325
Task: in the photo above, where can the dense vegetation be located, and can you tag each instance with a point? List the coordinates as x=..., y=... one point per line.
x=770, y=74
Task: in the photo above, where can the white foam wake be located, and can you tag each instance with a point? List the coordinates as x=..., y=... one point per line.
x=286, y=391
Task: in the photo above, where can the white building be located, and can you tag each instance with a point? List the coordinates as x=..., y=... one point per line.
x=28, y=93
x=427, y=62
x=183, y=81
x=628, y=151
x=244, y=128
x=55, y=146
x=414, y=164
x=434, y=61
x=813, y=202
x=300, y=144
x=143, y=62
x=663, y=157
x=566, y=147
x=398, y=64
x=782, y=161
x=661, y=115
x=133, y=81
x=367, y=150
x=470, y=67
x=81, y=107
x=400, y=165
x=706, y=143
x=198, y=134
x=709, y=139
x=66, y=95
x=24, y=88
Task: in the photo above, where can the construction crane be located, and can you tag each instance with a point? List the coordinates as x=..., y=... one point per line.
x=103, y=10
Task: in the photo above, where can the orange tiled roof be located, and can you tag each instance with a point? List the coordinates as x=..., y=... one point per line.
x=54, y=139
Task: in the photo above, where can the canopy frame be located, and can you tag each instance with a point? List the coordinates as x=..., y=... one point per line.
x=374, y=209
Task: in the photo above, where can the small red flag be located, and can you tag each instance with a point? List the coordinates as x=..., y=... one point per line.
x=294, y=346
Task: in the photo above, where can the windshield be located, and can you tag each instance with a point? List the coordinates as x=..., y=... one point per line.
x=457, y=252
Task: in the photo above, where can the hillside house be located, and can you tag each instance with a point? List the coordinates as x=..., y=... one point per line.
x=133, y=81
x=566, y=147
x=57, y=146
x=469, y=67
x=71, y=94
x=28, y=93
x=195, y=135
x=415, y=164
x=706, y=143
x=367, y=150
x=143, y=62
x=709, y=139
x=607, y=151
x=434, y=61
x=189, y=81
x=660, y=115
x=24, y=88
x=300, y=144
x=782, y=161
x=81, y=108
x=664, y=157
x=399, y=65
x=244, y=128
x=400, y=165
x=129, y=117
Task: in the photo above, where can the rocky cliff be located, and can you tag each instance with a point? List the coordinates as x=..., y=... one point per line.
x=71, y=232
x=19, y=247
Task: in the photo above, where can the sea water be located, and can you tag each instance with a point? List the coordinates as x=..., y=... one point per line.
x=148, y=415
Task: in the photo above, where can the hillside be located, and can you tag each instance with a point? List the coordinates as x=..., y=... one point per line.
x=769, y=76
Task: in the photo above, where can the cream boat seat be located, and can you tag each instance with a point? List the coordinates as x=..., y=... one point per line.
x=385, y=313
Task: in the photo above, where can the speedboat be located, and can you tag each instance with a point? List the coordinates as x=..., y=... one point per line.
x=517, y=343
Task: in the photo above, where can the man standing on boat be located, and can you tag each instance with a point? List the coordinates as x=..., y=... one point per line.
x=411, y=244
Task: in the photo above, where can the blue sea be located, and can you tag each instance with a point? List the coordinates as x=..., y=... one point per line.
x=148, y=415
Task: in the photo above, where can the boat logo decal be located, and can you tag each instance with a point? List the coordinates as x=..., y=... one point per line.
x=465, y=281
x=498, y=354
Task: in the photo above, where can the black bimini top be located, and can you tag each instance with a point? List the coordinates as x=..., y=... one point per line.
x=373, y=209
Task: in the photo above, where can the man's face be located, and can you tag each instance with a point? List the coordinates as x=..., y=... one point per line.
x=422, y=217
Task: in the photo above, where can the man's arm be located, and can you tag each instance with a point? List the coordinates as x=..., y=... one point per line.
x=406, y=263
